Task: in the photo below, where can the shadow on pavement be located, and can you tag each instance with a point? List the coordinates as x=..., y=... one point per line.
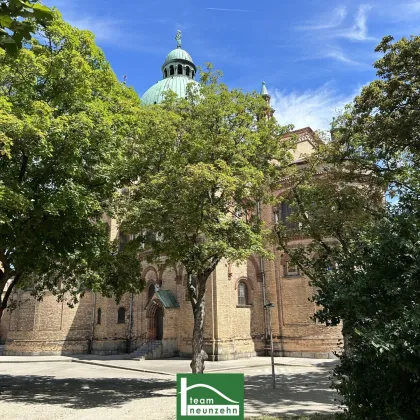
x=80, y=393
x=305, y=393
x=296, y=393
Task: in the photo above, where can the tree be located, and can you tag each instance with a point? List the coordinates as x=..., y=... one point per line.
x=380, y=131
x=375, y=290
x=65, y=118
x=362, y=256
x=18, y=21
x=196, y=175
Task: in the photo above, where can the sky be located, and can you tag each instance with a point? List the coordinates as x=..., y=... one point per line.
x=314, y=55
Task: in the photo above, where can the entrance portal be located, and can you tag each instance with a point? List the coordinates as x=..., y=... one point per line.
x=155, y=324
x=159, y=324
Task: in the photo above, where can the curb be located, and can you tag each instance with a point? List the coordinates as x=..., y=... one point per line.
x=122, y=367
x=238, y=367
x=293, y=365
x=265, y=365
x=96, y=363
x=35, y=361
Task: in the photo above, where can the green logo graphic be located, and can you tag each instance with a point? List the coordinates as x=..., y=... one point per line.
x=211, y=395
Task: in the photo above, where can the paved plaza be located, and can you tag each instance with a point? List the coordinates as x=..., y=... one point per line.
x=112, y=387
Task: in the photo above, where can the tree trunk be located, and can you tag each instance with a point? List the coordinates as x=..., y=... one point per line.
x=199, y=356
x=345, y=331
x=197, y=289
x=5, y=298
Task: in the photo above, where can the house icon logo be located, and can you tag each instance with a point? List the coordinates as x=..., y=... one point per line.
x=210, y=396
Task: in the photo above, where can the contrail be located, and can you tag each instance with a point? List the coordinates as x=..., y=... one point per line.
x=229, y=10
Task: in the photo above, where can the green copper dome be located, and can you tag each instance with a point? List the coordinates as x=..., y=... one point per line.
x=177, y=84
x=177, y=54
x=178, y=71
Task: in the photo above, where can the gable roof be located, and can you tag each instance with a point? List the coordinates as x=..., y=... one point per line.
x=304, y=134
x=167, y=299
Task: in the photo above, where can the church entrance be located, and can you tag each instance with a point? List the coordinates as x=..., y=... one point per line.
x=155, y=324
x=159, y=324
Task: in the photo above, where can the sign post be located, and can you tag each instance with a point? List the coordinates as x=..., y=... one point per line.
x=270, y=306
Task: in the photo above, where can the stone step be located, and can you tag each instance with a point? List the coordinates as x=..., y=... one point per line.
x=146, y=348
x=141, y=352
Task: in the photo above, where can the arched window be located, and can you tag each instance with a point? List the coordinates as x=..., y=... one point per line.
x=179, y=68
x=171, y=71
x=151, y=291
x=99, y=316
x=121, y=316
x=187, y=71
x=285, y=211
x=192, y=74
x=242, y=294
x=165, y=73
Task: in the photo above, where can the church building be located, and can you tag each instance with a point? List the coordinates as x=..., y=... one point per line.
x=158, y=322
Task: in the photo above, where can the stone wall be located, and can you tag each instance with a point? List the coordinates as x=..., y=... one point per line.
x=4, y=326
x=49, y=327
x=231, y=331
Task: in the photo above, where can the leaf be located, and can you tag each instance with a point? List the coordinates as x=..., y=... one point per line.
x=5, y=21
x=42, y=12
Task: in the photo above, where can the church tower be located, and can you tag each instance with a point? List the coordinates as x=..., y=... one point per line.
x=264, y=93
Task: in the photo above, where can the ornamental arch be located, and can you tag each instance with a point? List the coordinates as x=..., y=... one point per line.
x=155, y=318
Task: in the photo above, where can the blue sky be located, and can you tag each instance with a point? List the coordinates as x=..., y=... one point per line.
x=314, y=55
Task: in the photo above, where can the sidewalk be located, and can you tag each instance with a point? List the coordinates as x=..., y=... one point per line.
x=86, y=387
x=173, y=365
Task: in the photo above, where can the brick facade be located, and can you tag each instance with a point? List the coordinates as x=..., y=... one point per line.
x=231, y=330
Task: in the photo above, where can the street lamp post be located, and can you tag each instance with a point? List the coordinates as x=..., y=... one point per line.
x=270, y=306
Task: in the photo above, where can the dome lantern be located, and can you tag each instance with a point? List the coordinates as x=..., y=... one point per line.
x=178, y=70
x=178, y=62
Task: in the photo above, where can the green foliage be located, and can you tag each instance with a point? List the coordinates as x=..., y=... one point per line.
x=199, y=167
x=380, y=131
x=64, y=119
x=363, y=256
x=18, y=21
x=376, y=292
x=196, y=175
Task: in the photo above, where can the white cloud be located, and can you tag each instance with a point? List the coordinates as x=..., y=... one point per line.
x=334, y=53
x=413, y=7
x=359, y=31
x=336, y=19
x=401, y=12
x=333, y=27
x=105, y=30
x=338, y=55
x=326, y=40
x=217, y=9
x=313, y=107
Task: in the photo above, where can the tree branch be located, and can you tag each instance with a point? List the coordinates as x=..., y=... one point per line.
x=314, y=234
x=23, y=168
x=9, y=291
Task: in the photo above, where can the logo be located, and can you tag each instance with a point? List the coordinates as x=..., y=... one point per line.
x=211, y=395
